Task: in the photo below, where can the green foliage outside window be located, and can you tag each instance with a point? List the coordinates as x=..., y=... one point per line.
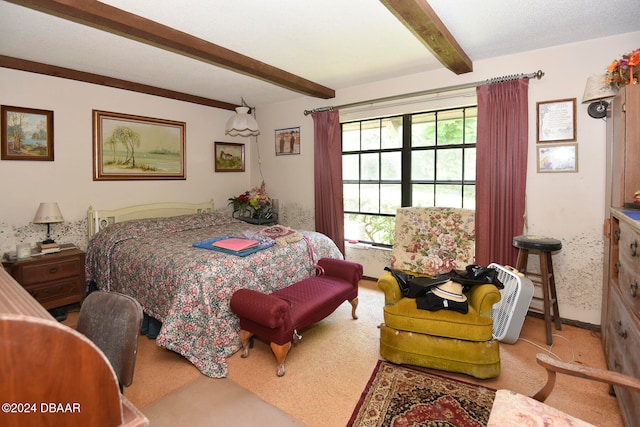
x=441, y=146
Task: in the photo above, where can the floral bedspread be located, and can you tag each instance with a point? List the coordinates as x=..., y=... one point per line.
x=188, y=289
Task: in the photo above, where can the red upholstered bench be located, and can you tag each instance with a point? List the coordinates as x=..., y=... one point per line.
x=277, y=317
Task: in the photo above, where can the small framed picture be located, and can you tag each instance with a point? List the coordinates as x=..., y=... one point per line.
x=287, y=141
x=556, y=120
x=558, y=158
x=27, y=134
x=229, y=157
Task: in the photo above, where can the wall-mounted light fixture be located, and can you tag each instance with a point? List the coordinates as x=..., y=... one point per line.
x=242, y=123
x=595, y=92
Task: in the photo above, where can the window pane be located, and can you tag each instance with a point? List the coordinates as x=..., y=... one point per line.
x=449, y=196
x=471, y=126
x=392, y=132
x=423, y=166
x=469, y=194
x=469, y=164
x=369, y=228
x=370, y=198
x=351, y=136
x=449, y=165
x=391, y=198
x=370, y=167
x=350, y=169
x=422, y=195
x=351, y=197
x=371, y=135
x=423, y=130
x=391, y=165
x=450, y=127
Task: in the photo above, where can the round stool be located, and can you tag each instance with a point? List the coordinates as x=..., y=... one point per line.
x=543, y=247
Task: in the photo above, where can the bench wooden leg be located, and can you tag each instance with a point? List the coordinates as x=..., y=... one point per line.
x=280, y=352
x=245, y=337
x=354, y=305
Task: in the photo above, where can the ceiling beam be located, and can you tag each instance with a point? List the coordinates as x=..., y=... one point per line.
x=425, y=24
x=108, y=18
x=81, y=76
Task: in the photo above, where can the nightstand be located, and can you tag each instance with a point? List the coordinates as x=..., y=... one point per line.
x=54, y=279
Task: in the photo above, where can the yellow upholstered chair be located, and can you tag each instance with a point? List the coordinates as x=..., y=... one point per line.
x=430, y=241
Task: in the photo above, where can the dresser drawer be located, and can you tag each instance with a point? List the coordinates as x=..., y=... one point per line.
x=65, y=289
x=54, y=280
x=48, y=271
x=623, y=329
x=628, y=267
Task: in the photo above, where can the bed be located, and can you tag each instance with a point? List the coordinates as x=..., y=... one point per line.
x=147, y=252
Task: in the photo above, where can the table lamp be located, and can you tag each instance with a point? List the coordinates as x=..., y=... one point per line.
x=47, y=213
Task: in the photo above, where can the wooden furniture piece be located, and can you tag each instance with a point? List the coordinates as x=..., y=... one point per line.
x=53, y=375
x=543, y=247
x=513, y=409
x=278, y=316
x=54, y=279
x=620, y=299
x=621, y=326
x=99, y=219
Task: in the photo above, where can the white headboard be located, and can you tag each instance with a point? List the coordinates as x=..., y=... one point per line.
x=99, y=219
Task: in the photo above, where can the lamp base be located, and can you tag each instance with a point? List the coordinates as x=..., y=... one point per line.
x=598, y=109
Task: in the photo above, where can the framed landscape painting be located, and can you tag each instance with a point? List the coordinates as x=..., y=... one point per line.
x=127, y=147
x=229, y=157
x=27, y=134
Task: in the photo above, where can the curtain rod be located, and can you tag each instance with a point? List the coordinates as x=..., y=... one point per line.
x=538, y=75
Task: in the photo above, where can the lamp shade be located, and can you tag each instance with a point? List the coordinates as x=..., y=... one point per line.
x=47, y=213
x=242, y=124
x=597, y=89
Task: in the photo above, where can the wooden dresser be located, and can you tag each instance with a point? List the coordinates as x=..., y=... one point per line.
x=620, y=297
x=53, y=280
x=51, y=374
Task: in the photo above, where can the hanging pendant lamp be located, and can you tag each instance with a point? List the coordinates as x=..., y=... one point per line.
x=242, y=123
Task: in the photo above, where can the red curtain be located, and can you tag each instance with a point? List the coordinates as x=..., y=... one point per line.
x=328, y=176
x=501, y=169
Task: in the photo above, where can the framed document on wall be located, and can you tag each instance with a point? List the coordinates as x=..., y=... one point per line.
x=556, y=120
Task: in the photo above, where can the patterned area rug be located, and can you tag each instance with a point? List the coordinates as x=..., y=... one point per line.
x=401, y=396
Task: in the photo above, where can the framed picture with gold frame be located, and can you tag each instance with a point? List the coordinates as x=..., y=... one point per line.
x=128, y=147
x=27, y=134
x=557, y=158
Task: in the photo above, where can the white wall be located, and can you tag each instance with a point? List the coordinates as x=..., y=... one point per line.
x=68, y=179
x=567, y=206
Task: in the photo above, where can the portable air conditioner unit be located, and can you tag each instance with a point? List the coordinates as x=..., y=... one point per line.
x=508, y=314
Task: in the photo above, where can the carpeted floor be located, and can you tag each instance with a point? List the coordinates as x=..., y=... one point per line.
x=234, y=406
x=400, y=395
x=328, y=370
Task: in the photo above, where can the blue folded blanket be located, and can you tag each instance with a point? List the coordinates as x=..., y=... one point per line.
x=208, y=244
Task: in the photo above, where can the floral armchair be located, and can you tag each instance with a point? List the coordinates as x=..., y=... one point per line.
x=430, y=241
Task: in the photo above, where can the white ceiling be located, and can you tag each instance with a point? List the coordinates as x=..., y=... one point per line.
x=335, y=43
